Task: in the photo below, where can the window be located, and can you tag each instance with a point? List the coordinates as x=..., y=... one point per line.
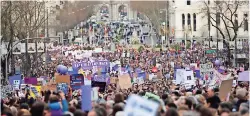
x=188, y=2
x=194, y=25
x=183, y=21
x=217, y=18
x=245, y=22
x=236, y=21
x=189, y=19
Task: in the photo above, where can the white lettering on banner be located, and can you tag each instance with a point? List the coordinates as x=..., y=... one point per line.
x=138, y=106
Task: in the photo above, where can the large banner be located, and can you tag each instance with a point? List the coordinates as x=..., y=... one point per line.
x=87, y=65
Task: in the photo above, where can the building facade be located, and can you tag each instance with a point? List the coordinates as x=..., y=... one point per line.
x=188, y=15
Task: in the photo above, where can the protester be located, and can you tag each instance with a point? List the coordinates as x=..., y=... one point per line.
x=152, y=77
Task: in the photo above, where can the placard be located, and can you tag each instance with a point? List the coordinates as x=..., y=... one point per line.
x=86, y=98
x=101, y=85
x=138, y=106
x=225, y=88
x=243, y=76
x=206, y=69
x=76, y=81
x=62, y=87
x=125, y=81
x=63, y=79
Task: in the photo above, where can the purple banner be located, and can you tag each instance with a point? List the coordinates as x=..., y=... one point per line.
x=30, y=80
x=89, y=65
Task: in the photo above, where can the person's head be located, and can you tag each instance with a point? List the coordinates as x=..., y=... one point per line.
x=182, y=109
x=12, y=101
x=210, y=92
x=171, y=105
x=53, y=98
x=37, y=109
x=98, y=111
x=23, y=112
x=24, y=106
x=79, y=113
x=241, y=93
x=225, y=105
x=205, y=111
x=224, y=112
x=118, y=107
x=201, y=99
x=119, y=98
x=244, y=108
x=171, y=112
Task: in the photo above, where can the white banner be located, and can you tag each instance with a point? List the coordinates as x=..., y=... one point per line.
x=40, y=47
x=231, y=45
x=31, y=47
x=16, y=48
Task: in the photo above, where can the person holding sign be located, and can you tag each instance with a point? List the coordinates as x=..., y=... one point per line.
x=55, y=105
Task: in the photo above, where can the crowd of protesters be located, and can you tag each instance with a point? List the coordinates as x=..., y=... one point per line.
x=174, y=100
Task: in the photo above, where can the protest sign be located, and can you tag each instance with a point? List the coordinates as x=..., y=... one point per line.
x=30, y=80
x=14, y=80
x=243, y=76
x=94, y=94
x=101, y=85
x=225, y=88
x=86, y=98
x=34, y=91
x=206, y=69
x=179, y=76
x=63, y=79
x=138, y=106
x=62, y=87
x=40, y=81
x=99, y=78
x=76, y=81
x=125, y=81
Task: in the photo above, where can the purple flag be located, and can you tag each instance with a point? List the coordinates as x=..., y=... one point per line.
x=30, y=80
x=86, y=98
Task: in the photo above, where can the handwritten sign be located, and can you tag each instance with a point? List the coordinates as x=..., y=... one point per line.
x=125, y=81
x=62, y=87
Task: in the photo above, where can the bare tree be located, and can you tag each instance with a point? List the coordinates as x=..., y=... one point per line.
x=222, y=15
x=154, y=10
x=73, y=13
x=20, y=19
